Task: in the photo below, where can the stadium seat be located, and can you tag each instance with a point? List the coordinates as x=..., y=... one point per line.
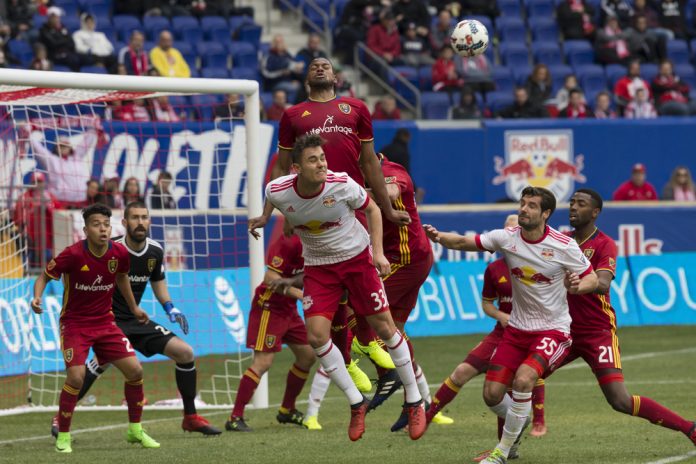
x=648, y=71
x=124, y=25
x=189, y=33
x=499, y=100
x=93, y=70
x=591, y=78
x=266, y=99
x=188, y=52
x=236, y=22
x=61, y=68
x=541, y=8
x=205, y=105
x=678, y=51
x=97, y=7
x=213, y=54
x=108, y=31
x=509, y=8
x=543, y=29
x=511, y=30
x=215, y=73
x=614, y=72
x=153, y=25
x=578, y=52
x=435, y=105
x=409, y=73
x=546, y=52
x=558, y=74
x=339, y=6
x=21, y=50
x=504, y=82
x=313, y=15
x=686, y=73
x=521, y=73
x=70, y=8
x=425, y=78
x=513, y=54
x=184, y=21
x=243, y=54
x=216, y=28
x=249, y=33
x=71, y=23
x=251, y=73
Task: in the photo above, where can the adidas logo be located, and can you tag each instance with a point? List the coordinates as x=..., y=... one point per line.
x=290, y=209
x=386, y=387
x=502, y=280
x=84, y=268
x=306, y=113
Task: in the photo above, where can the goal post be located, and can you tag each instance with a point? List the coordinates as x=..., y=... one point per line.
x=41, y=89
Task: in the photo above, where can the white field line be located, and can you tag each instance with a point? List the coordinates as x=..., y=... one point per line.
x=679, y=458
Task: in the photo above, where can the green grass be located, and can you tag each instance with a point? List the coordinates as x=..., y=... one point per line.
x=582, y=427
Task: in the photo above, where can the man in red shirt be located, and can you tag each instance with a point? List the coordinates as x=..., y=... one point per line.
x=383, y=38
x=91, y=269
x=636, y=188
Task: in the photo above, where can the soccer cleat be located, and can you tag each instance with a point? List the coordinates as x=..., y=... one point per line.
x=136, y=434
x=373, y=351
x=312, y=423
x=692, y=434
x=401, y=422
x=291, y=417
x=386, y=386
x=54, y=426
x=360, y=378
x=538, y=429
x=63, y=442
x=441, y=419
x=485, y=454
x=196, y=423
x=416, y=419
x=237, y=424
x=356, y=428
x=496, y=457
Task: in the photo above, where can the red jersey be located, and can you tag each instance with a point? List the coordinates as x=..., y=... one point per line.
x=284, y=257
x=89, y=282
x=343, y=122
x=497, y=286
x=592, y=312
x=628, y=191
x=403, y=244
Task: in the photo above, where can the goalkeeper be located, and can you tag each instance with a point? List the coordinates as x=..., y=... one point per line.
x=151, y=338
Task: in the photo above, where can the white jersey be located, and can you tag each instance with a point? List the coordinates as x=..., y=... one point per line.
x=326, y=222
x=537, y=270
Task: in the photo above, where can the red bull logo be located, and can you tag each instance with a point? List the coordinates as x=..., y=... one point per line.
x=541, y=159
x=318, y=227
x=530, y=276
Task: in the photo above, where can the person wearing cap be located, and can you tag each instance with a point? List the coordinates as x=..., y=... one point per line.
x=636, y=188
x=91, y=42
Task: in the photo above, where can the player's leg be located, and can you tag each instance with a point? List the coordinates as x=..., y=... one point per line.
x=538, y=420
x=297, y=376
x=262, y=361
x=92, y=373
x=365, y=343
x=320, y=385
x=340, y=335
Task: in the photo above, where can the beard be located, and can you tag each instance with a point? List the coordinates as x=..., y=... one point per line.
x=132, y=236
x=321, y=84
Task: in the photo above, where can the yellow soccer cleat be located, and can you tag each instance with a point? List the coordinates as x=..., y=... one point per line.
x=375, y=352
x=63, y=442
x=136, y=434
x=441, y=419
x=360, y=379
x=312, y=423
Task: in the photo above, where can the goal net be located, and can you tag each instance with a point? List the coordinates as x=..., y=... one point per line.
x=193, y=153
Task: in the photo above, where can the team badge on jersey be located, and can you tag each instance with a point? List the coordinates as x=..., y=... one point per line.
x=151, y=263
x=344, y=107
x=329, y=201
x=68, y=354
x=277, y=261
x=390, y=180
x=51, y=264
x=113, y=265
x=270, y=341
x=307, y=302
x=612, y=263
x=589, y=252
x=547, y=253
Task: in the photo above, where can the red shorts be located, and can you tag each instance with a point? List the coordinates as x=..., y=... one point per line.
x=324, y=286
x=600, y=350
x=108, y=342
x=403, y=284
x=481, y=355
x=268, y=330
x=543, y=351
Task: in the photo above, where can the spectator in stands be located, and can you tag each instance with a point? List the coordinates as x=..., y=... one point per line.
x=577, y=108
x=611, y=46
x=625, y=88
x=398, y=152
x=386, y=109
x=680, y=186
x=161, y=198
x=467, y=108
x=33, y=215
x=415, y=50
x=440, y=33
x=619, y=9
x=409, y=12
x=59, y=42
x=444, y=75
x=68, y=171
x=110, y=194
x=131, y=191
x=89, y=41
x=476, y=72
x=522, y=108
x=643, y=8
x=168, y=60
x=343, y=87
x=280, y=69
x=480, y=7
x=311, y=51
x=233, y=108
x=603, y=106
x=162, y=110
x=640, y=107
x=671, y=94
x=636, y=188
x=167, y=8
x=20, y=15
x=672, y=16
x=384, y=39
x=132, y=59
x=539, y=85
x=643, y=44
x=131, y=110
x=40, y=61
x=93, y=189
x=356, y=19
x=563, y=95
x=278, y=106
x=575, y=20
x=6, y=57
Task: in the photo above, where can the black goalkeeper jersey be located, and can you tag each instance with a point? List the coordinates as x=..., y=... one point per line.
x=145, y=265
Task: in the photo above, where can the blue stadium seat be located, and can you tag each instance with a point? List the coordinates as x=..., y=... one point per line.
x=205, y=105
x=543, y=29
x=108, y=31
x=546, y=52
x=435, y=105
x=339, y=6
x=511, y=29
x=93, y=70
x=266, y=99
x=38, y=21
x=97, y=7
x=504, y=82
x=578, y=52
x=686, y=73
x=542, y=8
x=189, y=33
x=678, y=51
x=558, y=74
x=21, y=50
x=251, y=73
x=215, y=73
x=410, y=73
x=591, y=78
x=124, y=25
x=614, y=72
x=69, y=7
x=249, y=33
x=71, y=23
x=188, y=52
x=243, y=54
x=236, y=22
x=513, y=54
x=213, y=54
x=184, y=21
x=216, y=28
x=313, y=15
x=521, y=73
x=425, y=77
x=153, y=25
x=496, y=101
x=181, y=104
x=509, y=8
x=648, y=71
x=61, y=68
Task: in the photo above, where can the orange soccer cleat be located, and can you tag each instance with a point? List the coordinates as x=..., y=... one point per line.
x=196, y=423
x=356, y=428
x=416, y=419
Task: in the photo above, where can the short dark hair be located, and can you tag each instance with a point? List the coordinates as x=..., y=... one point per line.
x=96, y=208
x=548, y=200
x=304, y=142
x=132, y=205
x=165, y=175
x=575, y=90
x=596, y=197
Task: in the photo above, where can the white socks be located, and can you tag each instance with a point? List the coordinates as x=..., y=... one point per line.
x=422, y=382
x=501, y=408
x=517, y=415
x=398, y=350
x=332, y=362
x=320, y=384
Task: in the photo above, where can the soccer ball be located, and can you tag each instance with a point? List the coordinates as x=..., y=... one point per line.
x=469, y=38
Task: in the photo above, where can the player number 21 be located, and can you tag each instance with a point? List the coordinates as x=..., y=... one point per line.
x=380, y=299
x=606, y=354
x=548, y=345
x=129, y=348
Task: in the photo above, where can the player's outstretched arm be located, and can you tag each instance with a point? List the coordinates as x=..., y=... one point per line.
x=260, y=221
x=369, y=163
x=123, y=284
x=374, y=225
x=39, y=287
x=492, y=311
x=450, y=239
x=289, y=287
x=159, y=288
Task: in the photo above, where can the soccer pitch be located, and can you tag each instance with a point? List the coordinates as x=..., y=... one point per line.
x=658, y=362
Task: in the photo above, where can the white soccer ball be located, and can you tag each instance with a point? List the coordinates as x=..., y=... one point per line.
x=469, y=38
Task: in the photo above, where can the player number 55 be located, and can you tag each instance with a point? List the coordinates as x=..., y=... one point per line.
x=380, y=299
x=548, y=345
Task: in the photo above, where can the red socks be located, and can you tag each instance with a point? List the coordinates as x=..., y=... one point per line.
x=247, y=387
x=446, y=393
x=659, y=415
x=66, y=407
x=134, y=397
x=538, y=394
x=296, y=380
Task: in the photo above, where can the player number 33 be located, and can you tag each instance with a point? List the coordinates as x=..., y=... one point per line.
x=380, y=300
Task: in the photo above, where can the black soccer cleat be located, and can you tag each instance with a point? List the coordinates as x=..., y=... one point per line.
x=54, y=426
x=237, y=424
x=292, y=417
x=386, y=386
x=401, y=422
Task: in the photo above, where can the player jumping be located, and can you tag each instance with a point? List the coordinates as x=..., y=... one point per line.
x=91, y=270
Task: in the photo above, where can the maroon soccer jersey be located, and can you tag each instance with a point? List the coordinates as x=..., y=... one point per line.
x=343, y=122
x=591, y=312
x=403, y=244
x=285, y=257
x=89, y=282
x=496, y=286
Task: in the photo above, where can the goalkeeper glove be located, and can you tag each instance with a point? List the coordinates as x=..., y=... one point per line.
x=176, y=316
